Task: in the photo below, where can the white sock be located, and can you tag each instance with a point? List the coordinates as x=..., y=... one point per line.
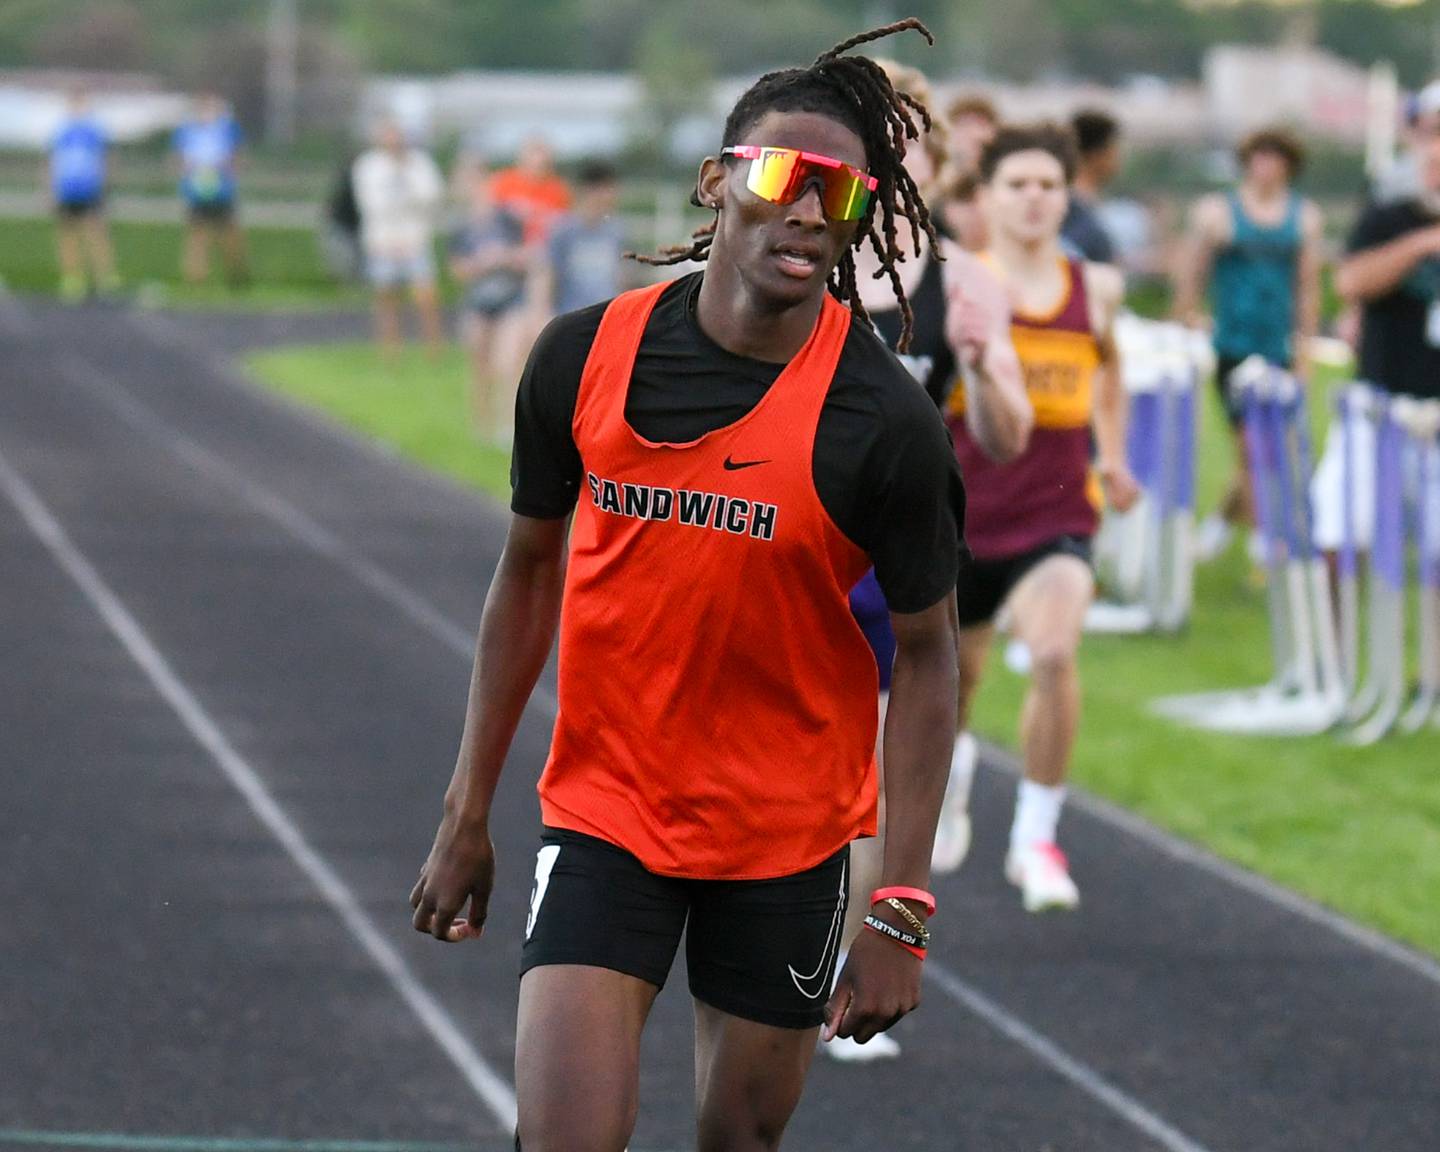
x=962, y=760
x=1037, y=812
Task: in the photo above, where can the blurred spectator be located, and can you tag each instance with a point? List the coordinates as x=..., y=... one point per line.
x=341, y=225
x=1258, y=247
x=586, y=247
x=208, y=149
x=1097, y=138
x=398, y=189
x=77, y=190
x=531, y=191
x=489, y=259
x=971, y=121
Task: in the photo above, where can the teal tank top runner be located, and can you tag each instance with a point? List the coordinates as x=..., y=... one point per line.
x=1253, y=286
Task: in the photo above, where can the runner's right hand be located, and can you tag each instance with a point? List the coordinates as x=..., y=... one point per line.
x=461, y=868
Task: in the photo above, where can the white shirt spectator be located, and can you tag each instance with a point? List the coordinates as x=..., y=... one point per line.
x=397, y=195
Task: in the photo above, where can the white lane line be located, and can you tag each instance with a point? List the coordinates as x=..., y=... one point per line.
x=163, y=329
x=319, y=539
x=492, y=1088
x=1168, y=844
x=1047, y=1052
x=280, y=511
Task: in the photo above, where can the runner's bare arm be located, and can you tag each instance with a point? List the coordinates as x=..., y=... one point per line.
x=1377, y=271
x=1205, y=233
x=977, y=325
x=1307, y=286
x=1105, y=287
x=516, y=632
x=881, y=981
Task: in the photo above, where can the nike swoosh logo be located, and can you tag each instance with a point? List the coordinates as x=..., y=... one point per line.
x=816, y=979
x=736, y=465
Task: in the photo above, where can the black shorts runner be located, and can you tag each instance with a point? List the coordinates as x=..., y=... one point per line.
x=984, y=584
x=1234, y=407
x=78, y=209
x=211, y=211
x=762, y=950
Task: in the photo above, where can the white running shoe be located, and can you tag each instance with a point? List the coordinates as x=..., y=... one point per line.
x=1042, y=874
x=848, y=1051
x=1212, y=538
x=952, y=834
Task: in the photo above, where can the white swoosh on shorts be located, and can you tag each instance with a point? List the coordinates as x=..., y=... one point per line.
x=832, y=942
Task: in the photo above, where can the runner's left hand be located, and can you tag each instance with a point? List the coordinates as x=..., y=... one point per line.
x=1119, y=486
x=967, y=326
x=879, y=984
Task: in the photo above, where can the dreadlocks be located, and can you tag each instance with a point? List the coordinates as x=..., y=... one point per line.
x=856, y=91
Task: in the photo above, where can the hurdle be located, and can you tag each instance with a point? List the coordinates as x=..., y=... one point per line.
x=1406, y=440
x=1144, y=557
x=1422, y=421
x=1306, y=692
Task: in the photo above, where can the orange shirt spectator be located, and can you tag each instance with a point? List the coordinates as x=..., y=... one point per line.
x=531, y=191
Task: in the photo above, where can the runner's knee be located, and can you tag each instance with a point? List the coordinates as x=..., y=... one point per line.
x=1052, y=660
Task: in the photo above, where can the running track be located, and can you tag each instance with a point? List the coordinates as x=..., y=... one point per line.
x=237, y=648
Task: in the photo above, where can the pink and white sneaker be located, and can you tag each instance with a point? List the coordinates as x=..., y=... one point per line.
x=1042, y=874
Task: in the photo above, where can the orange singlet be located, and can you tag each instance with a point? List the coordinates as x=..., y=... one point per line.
x=717, y=699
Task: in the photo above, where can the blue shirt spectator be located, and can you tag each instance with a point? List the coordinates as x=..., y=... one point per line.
x=207, y=148
x=584, y=251
x=77, y=162
x=585, y=257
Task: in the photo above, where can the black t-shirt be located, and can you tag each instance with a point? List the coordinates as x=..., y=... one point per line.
x=1084, y=232
x=931, y=360
x=1399, y=349
x=883, y=466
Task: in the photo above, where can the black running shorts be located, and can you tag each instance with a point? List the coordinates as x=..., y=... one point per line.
x=762, y=950
x=984, y=585
x=1234, y=407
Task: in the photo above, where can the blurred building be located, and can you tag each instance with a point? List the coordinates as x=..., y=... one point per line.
x=131, y=105
x=589, y=113
x=1320, y=94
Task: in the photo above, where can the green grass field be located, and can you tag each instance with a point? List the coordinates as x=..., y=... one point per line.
x=1358, y=830
x=286, y=268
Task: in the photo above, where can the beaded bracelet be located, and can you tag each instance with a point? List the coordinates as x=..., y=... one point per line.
x=895, y=936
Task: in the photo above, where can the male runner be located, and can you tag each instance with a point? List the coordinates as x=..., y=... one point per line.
x=961, y=322
x=1259, y=246
x=741, y=452
x=1031, y=519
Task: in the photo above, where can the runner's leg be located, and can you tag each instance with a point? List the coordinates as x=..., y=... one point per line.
x=1048, y=609
x=1048, y=612
x=748, y=1080
x=577, y=1057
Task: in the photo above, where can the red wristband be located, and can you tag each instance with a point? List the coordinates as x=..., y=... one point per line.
x=901, y=893
x=918, y=953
